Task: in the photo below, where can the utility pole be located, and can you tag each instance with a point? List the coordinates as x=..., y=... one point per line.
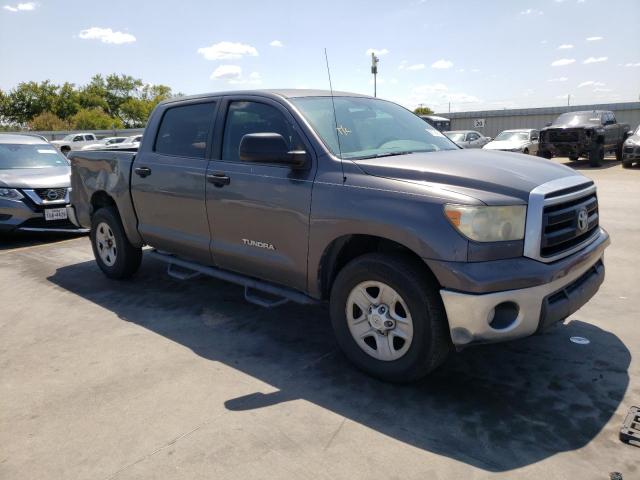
x=568, y=99
x=449, y=107
x=374, y=71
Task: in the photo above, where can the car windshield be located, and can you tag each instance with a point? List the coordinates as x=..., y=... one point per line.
x=578, y=118
x=14, y=155
x=368, y=128
x=455, y=136
x=512, y=136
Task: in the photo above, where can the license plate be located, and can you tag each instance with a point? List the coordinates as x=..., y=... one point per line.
x=55, y=214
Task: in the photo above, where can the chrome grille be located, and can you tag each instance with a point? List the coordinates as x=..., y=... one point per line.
x=51, y=194
x=561, y=229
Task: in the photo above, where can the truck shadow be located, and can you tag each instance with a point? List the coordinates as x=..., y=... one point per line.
x=583, y=164
x=496, y=407
x=11, y=241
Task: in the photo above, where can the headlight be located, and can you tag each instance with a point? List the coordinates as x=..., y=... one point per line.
x=10, y=194
x=488, y=224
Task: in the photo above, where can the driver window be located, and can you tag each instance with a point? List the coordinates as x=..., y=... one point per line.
x=472, y=136
x=253, y=117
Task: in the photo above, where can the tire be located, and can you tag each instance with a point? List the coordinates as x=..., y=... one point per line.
x=596, y=156
x=545, y=154
x=526, y=151
x=430, y=341
x=619, y=152
x=574, y=158
x=115, y=255
x=627, y=164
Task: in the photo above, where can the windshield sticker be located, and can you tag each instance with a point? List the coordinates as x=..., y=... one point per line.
x=344, y=131
x=47, y=151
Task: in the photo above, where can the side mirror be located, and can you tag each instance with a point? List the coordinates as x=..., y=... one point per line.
x=630, y=132
x=548, y=124
x=270, y=148
x=489, y=139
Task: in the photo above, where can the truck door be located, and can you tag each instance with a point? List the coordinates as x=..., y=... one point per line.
x=168, y=181
x=259, y=213
x=610, y=129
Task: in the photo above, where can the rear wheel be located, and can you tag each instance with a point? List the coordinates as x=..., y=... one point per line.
x=619, y=152
x=388, y=318
x=627, y=164
x=596, y=156
x=115, y=255
x=574, y=158
x=526, y=151
x=545, y=154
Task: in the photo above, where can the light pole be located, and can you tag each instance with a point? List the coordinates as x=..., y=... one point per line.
x=374, y=71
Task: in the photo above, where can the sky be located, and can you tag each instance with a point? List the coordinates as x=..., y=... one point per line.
x=449, y=55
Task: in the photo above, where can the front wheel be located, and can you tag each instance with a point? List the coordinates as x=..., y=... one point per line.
x=115, y=255
x=596, y=156
x=388, y=318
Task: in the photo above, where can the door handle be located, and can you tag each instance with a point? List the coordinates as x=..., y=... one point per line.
x=219, y=179
x=142, y=171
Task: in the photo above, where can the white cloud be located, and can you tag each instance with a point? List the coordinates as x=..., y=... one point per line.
x=442, y=64
x=402, y=65
x=475, y=70
x=594, y=39
x=439, y=94
x=591, y=83
x=276, y=43
x=558, y=79
x=565, y=46
x=106, y=35
x=562, y=62
x=254, y=78
x=227, y=51
x=632, y=64
x=595, y=60
x=532, y=11
x=417, y=66
x=21, y=7
x=544, y=42
x=602, y=90
x=226, y=72
x=378, y=53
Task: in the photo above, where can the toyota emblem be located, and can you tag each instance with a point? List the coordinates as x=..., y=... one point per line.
x=583, y=220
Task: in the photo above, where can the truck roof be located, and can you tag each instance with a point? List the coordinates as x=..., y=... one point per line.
x=282, y=93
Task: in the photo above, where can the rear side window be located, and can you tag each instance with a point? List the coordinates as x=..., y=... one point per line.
x=184, y=131
x=472, y=136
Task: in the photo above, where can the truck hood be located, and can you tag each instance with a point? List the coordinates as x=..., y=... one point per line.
x=569, y=127
x=485, y=175
x=48, y=177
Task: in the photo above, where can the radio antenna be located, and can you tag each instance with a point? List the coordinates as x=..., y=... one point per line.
x=335, y=116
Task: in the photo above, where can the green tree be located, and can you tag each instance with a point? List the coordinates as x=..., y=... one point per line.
x=48, y=121
x=423, y=111
x=29, y=99
x=94, y=119
x=67, y=101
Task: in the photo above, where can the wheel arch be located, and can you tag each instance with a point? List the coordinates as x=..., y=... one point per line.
x=341, y=250
x=102, y=199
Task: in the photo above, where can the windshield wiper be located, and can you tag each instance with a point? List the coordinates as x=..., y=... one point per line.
x=390, y=154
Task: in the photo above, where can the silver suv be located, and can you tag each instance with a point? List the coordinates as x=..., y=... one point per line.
x=34, y=185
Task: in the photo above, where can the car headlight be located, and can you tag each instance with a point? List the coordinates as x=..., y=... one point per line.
x=488, y=224
x=10, y=194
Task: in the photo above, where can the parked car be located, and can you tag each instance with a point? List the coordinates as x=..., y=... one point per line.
x=631, y=149
x=468, y=138
x=104, y=143
x=584, y=134
x=439, y=123
x=132, y=142
x=34, y=185
x=298, y=195
x=521, y=140
x=74, y=141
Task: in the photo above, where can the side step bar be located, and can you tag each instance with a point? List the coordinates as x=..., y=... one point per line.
x=249, y=283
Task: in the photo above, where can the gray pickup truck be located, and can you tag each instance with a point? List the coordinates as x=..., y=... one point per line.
x=419, y=247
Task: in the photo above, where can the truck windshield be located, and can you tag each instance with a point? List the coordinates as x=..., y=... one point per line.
x=512, y=136
x=369, y=128
x=577, y=118
x=13, y=155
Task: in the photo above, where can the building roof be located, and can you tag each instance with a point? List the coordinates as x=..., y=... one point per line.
x=614, y=107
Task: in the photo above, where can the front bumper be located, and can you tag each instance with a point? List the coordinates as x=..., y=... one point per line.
x=568, y=149
x=509, y=314
x=631, y=153
x=20, y=216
